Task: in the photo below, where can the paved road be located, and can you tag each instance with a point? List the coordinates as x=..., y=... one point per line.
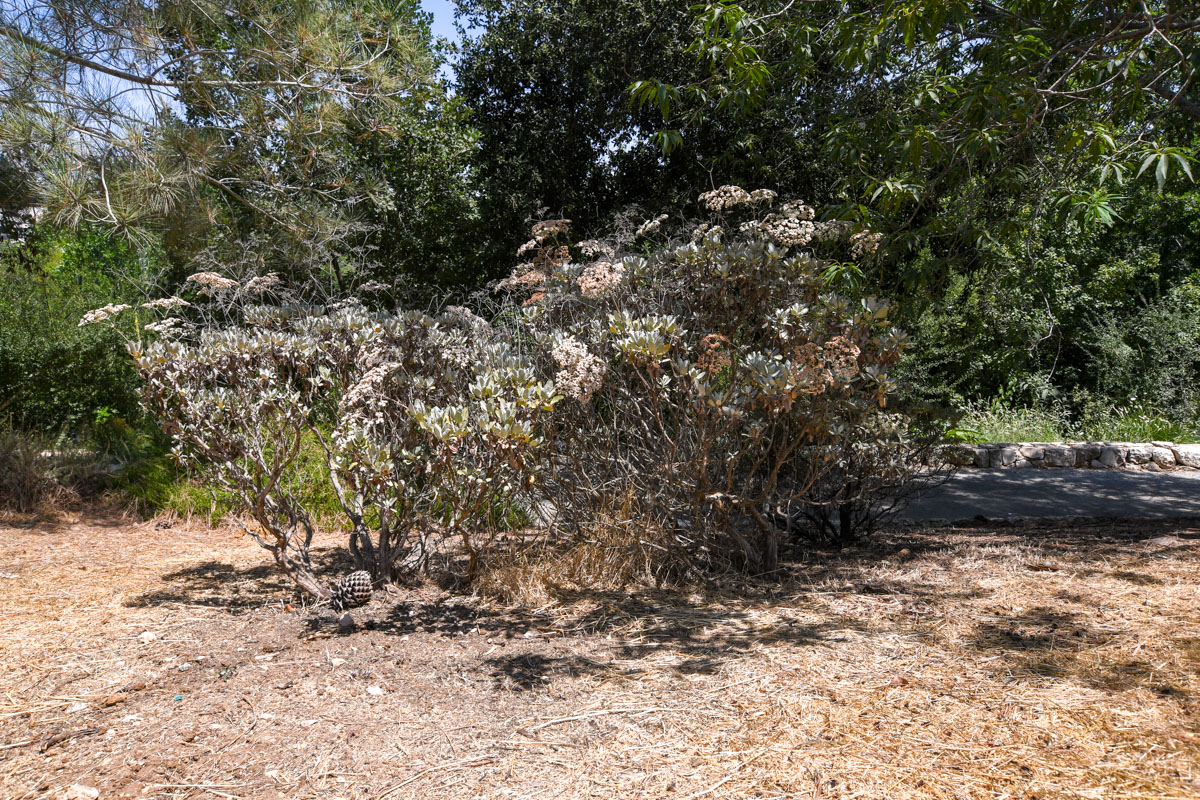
x=1045, y=493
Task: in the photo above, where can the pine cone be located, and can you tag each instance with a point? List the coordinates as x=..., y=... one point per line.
x=352, y=591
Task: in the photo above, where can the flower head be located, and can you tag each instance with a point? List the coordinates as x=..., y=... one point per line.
x=725, y=197
x=582, y=372
x=210, y=283
x=102, y=314
x=600, y=279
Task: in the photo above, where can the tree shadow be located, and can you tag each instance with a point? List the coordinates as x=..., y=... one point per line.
x=215, y=584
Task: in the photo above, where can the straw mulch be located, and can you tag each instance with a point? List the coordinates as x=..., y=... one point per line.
x=1039, y=661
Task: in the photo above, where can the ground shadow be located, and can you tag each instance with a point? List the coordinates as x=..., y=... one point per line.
x=219, y=585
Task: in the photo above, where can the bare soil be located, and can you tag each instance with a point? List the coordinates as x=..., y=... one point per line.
x=158, y=660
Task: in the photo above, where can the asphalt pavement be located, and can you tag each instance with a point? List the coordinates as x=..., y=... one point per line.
x=1058, y=493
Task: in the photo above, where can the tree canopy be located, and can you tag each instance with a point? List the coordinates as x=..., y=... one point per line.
x=945, y=120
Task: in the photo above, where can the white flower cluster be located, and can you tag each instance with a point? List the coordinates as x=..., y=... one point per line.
x=361, y=405
x=167, y=302
x=762, y=196
x=373, y=287
x=600, y=279
x=864, y=243
x=592, y=248
x=466, y=316
x=798, y=209
x=725, y=197
x=788, y=231
x=550, y=227
x=532, y=244
x=524, y=276
x=102, y=314
x=165, y=327
x=707, y=231
x=650, y=226
x=581, y=373
x=209, y=283
x=263, y=283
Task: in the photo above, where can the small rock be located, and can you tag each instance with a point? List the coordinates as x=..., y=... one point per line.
x=1169, y=541
x=80, y=792
x=1138, y=454
x=346, y=623
x=147, y=636
x=1113, y=456
x=374, y=690
x=1005, y=456
x=184, y=667
x=113, y=699
x=1188, y=455
x=75, y=708
x=899, y=680
x=1162, y=456
x=337, y=662
x=1061, y=457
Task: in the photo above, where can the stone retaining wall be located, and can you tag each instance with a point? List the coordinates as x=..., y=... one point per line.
x=1152, y=457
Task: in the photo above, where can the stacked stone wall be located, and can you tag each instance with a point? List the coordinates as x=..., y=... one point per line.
x=1151, y=457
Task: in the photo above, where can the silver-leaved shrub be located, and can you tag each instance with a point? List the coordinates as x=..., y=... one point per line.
x=711, y=397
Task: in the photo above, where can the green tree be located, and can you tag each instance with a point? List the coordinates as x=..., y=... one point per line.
x=546, y=84
x=231, y=124
x=955, y=119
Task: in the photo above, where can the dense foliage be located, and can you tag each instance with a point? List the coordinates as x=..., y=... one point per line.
x=717, y=391
x=54, y=375
x=1026, y=166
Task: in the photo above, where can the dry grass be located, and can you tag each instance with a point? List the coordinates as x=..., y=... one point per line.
x=1042, y=661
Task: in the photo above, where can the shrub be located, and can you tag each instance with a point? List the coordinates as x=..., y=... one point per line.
x=429, y=425
x=718, y=382
x=27, y=482
x=716, y=391
x=54, y=375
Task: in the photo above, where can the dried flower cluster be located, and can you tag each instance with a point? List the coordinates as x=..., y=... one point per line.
x=725, y=198
x=714, y=353
x=591, y=248
x=210, y=283
x=798, y=209
x=788, y=231
x=581, y=373
x=864, y=244
x=600, y=279
x=549, y=228
x=166, y=327
x=524, y=277
x=102, y=314
x=167, y=302
x=263, y=283
x=650, y=226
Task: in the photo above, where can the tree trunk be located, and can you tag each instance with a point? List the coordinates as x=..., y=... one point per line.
x=302, y=576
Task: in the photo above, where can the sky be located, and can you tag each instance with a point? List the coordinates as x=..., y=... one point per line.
x=443, y=18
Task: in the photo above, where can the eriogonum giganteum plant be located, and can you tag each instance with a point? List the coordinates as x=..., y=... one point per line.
x=717, y=378
x=432, y=425
x=713, y=386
